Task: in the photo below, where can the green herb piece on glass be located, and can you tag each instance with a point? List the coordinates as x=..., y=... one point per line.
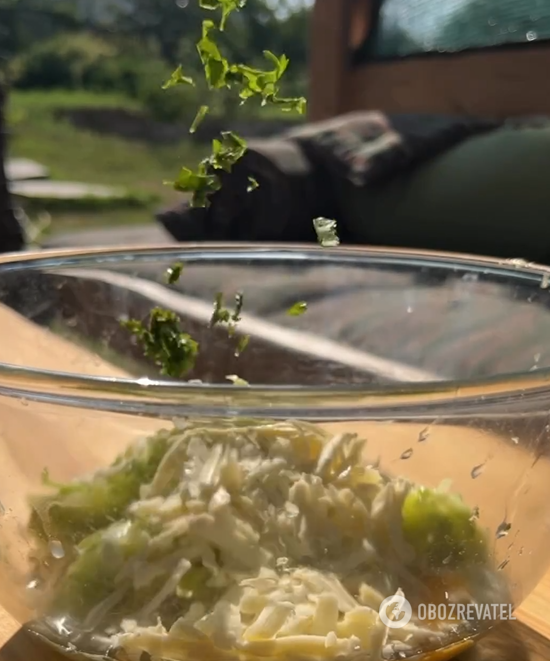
x=241, y=345
x=173, y=273
x=326, y=231
x=297, y=309
x=237, y=380
x=173, y=350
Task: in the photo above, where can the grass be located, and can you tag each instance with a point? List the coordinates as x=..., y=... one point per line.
x=72, y=154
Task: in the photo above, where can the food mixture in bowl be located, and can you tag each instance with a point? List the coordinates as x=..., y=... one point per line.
x=227, y=539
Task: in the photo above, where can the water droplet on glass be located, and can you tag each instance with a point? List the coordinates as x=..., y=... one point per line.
x=24, y=402
x=520, y=552
x=56, y=549
x=476, y=471
x=503, y=564
x=545, y=282
x=182, y=4
x=503, y=529
x=531, y=35
x=475, y=513
x=515, y=440
x=2, y=509
x=492, y=22
x=407, y=454
x=32, y=585
x=424, y=435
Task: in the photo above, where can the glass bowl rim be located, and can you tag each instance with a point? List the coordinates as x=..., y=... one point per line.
x=144, y=395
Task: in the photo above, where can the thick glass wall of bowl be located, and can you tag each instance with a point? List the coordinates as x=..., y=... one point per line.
x=498, y=465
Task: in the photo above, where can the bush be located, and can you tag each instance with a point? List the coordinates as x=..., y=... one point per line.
x=63, y=61
x=85, y=61
x=178, y=104
x=141, y=78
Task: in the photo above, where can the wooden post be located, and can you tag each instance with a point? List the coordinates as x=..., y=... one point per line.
x=329, y=57
x=11, y=235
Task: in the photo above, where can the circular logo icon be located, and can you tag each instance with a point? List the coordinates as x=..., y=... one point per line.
x=395, y=612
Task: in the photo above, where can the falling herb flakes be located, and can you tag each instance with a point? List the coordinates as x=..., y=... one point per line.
x=236, y=380
x=326, y=231
x=161, y=336
x=173, y=273
x=163, y=341
x=201, y=114
x=297, y=309
x=241, y=345
x=222, y=315
x=177, y=78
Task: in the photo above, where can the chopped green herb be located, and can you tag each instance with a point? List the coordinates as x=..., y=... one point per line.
x=201, y=114
x=439, y=527
x=326, y=232
x=227, y=151
x=91, y=575
x=173, y=274
x=241, y=345
x=236, y=380
x=199, y=183
x=227, y=7
x=297, y=309
x=177, y=78
x=216, y=67
x=173, y=350
x=239, y=302
x=79, y=508
x=298, y=104
x=222, y=315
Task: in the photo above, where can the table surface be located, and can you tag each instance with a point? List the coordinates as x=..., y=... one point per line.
x=533, y=616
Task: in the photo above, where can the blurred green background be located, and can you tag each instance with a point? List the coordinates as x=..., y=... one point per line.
x=86, y=98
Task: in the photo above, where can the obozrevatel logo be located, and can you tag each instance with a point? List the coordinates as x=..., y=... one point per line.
x=395, y=612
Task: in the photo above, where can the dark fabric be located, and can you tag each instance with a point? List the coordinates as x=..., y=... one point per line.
x=11, y=234
x=290, y=192
x=298, y=175
x=369, y=147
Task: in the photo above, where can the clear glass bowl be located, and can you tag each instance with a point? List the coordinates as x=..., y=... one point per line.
x=254, y=522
